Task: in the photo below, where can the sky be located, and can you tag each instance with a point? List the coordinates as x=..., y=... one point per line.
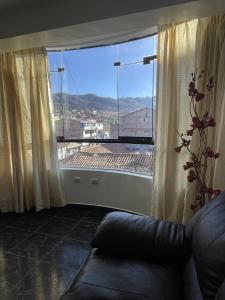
x=92, y=71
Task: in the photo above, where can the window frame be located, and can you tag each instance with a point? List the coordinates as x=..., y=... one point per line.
x=121, y=139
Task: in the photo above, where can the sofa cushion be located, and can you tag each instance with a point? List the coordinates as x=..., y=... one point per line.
x=206, y=231
x=112, y=277
x=221, y=292
x=142, y=236
x=191, y=286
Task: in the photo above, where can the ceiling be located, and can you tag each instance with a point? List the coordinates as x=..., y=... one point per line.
x=27, y=16
x=84, y=23
x=13, y=5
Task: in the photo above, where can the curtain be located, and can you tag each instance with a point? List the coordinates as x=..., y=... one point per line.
x=29, y=175
x=176, y=48
x=211, y=34
x=181, y=49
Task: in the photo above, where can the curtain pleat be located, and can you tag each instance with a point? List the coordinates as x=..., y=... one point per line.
x=213, y=62
x=29, y=173
x=183, y=48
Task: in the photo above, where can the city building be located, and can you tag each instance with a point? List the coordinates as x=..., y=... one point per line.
x=71, y=128
x=137, y=123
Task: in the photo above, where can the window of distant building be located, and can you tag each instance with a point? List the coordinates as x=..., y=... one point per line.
x=104, y=105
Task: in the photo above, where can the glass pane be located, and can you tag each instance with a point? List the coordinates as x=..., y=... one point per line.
x=137, y=98
x=88, y=93
x=93, y=99
x=134, y=51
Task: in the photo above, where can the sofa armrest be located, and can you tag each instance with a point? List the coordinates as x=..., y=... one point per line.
x=146, y=237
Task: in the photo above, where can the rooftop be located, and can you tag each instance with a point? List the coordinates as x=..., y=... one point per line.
x=107, y=148
x=128, y=162
x=144, y=109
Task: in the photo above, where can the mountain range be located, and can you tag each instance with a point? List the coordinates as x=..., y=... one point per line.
x=95, y=102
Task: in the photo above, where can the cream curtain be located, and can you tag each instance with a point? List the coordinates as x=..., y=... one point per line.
x=181, y=49
x=29, y=175
x=175, y=59
x=210, y=56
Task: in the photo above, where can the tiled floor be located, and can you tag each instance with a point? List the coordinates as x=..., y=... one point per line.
x=41, y=253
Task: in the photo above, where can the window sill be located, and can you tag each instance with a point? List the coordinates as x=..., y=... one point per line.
x=109, y=171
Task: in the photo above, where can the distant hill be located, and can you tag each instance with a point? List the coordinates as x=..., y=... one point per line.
x=94, y=102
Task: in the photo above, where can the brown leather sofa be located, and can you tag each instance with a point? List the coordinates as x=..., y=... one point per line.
x=140, y=258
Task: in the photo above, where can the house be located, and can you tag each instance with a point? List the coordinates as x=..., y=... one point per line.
x=119, y=157
x=124, y=162
x=75, y=128
x=135, y=123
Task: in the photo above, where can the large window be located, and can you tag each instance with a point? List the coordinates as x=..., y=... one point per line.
x=104, y=105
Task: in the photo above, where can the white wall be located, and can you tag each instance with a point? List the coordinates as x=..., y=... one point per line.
x=114, y=189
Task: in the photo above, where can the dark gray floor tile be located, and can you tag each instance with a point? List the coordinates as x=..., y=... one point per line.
x=45, y=282
x=29, y=222
x=83, y=231
x=36, y=246
x=10, y=237
x=13, y=268
x=7, y=218
x=69, y=253
x=58, y=226
x=8, y=293
x=68, y=211
x=95, y=216
x=23, y=274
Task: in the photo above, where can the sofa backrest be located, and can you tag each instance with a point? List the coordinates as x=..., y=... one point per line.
x=206, y=231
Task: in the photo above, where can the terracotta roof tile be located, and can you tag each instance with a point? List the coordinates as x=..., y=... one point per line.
x=129, y=162
x=107, y=148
